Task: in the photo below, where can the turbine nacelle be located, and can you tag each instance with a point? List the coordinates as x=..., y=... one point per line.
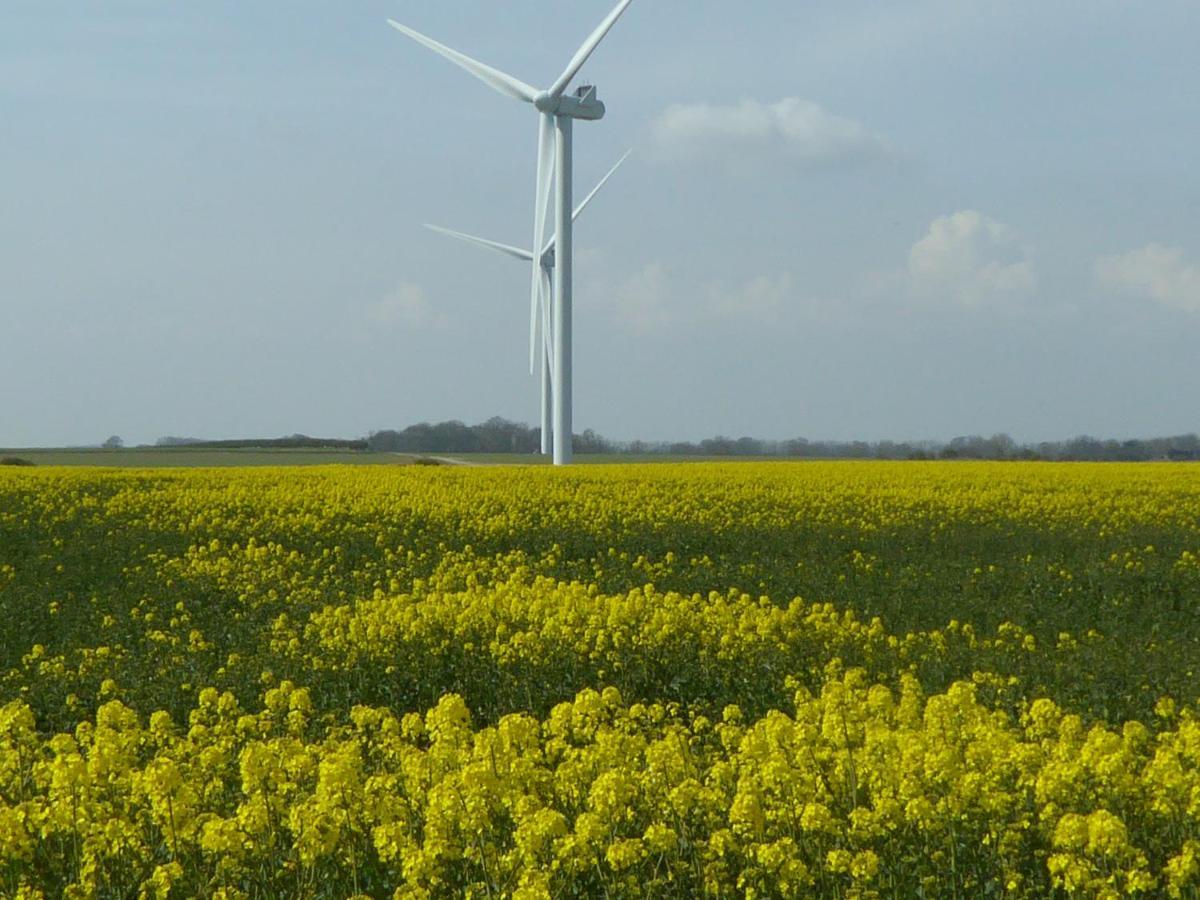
x=582, y=104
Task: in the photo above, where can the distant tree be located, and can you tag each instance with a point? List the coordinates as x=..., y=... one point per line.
x=796, y=447
x=718, y=446
x=963, y=447
x=748, y=446
x=114, y=443
x=383, y=441
x=453, y=437
x=590, y=442
x=860, y=450
x=499, y=435
x=1000, y=446
x=1084, y=447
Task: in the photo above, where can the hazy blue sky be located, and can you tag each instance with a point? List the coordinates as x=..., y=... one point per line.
x=842, y=219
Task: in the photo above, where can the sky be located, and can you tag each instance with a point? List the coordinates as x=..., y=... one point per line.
x=841, y=219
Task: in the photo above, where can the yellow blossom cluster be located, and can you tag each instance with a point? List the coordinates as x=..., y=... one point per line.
x=857, y=789
x=837, y=679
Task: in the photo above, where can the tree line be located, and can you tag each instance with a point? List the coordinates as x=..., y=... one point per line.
x=498, y=435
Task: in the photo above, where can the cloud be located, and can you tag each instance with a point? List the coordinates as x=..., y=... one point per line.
x=642, y=304
x=1154, y=273
x=970, y=259
x=792, y=128
x=406, y=308
x=653, y=301
x=760, y=298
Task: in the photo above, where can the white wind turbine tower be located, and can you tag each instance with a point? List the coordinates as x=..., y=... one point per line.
x=557, y=112
x=546, y=264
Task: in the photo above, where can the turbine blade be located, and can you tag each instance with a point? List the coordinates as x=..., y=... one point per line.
x=581, y=56
x=588, y=199
x=494, y=78
x=545, y=176
x=506, y=249
x=548, y=323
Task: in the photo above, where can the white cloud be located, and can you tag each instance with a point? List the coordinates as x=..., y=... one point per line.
x=1155, y=273
x=653, y=301
x=642, y=304
x=760, y=298
x=791, y=128
x=968, y=258
x=406, y=308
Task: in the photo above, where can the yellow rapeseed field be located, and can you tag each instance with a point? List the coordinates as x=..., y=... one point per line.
x=744, y=680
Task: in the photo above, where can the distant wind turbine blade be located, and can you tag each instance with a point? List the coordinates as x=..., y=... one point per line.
x=494, y=78
x=545, y=176
x=581, y=56
x=548, y=322
x=507, y=249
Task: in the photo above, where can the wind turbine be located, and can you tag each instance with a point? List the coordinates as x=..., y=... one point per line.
x=545, y=263
x=557, y=112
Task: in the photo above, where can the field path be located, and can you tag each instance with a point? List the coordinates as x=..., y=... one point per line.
x=444, y=460
x=454, y=461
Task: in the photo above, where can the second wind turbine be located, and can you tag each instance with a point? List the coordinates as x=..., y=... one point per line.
x=546, y=263
x=557, y=112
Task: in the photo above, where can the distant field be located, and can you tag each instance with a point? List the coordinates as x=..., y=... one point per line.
x=187, y=457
